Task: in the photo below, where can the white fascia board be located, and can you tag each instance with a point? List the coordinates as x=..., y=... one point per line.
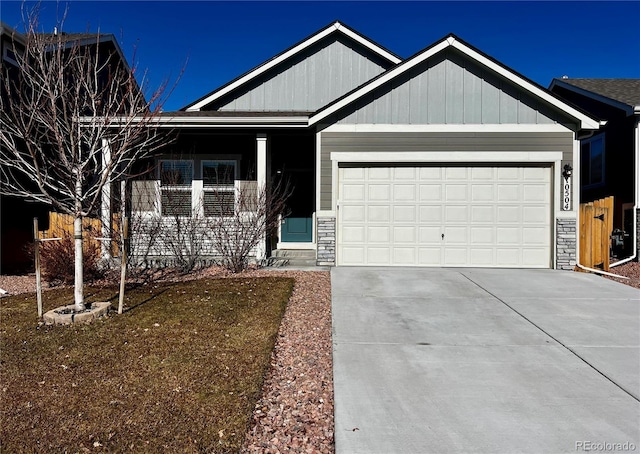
x=449, y=156
x=368, y=44
x=446, y=128
x=386, y=77
x=586, y=122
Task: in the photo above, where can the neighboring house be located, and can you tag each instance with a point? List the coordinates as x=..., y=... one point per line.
x=16, y=214
x=610, y=164
x=446, y=158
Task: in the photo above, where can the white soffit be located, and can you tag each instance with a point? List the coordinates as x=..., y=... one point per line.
x=336, y=26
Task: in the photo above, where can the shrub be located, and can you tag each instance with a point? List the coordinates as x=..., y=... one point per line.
x=57, y=259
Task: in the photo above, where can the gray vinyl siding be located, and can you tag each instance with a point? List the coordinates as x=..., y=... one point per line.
x=424, y=142
x=309, y=81
x=448, y=89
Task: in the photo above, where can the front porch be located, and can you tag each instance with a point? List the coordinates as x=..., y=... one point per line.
x=206, y=176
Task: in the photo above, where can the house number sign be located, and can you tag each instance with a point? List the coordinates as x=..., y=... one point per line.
x=566, y=194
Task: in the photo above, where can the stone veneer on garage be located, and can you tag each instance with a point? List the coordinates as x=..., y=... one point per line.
x=326, y=241
x=566, y=244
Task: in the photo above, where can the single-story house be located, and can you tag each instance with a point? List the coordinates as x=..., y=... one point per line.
x=610, y=157
x=446, y=158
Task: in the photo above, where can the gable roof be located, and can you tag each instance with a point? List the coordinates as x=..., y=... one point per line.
x=452, y=41
x=621, y=93
x=335, y=27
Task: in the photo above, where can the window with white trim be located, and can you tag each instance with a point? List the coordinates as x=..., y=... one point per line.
x=218, y=181
x=592, y=154
x=176, y=177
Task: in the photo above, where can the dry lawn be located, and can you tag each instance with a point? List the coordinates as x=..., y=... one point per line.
x=180, y=371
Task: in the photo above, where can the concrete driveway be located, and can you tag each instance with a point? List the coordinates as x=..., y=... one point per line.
x=484, y=361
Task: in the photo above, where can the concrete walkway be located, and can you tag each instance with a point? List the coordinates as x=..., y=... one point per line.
x=484, y=361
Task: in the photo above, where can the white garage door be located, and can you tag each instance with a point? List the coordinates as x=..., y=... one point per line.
x=445, y=216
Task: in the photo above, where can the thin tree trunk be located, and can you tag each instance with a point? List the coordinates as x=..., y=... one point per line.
x=78, y=284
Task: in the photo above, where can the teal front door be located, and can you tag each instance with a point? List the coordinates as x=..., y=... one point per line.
x=297, y=230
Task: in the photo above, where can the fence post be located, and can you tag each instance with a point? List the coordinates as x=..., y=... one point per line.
x=123, y=257
x=36, y=244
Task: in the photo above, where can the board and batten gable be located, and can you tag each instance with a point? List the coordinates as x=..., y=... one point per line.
x=306, y=82
x=448, y=89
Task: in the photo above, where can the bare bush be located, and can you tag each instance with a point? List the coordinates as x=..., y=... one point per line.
x=57, y=259
x=256, y=215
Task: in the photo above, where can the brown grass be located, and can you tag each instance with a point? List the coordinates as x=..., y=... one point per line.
x=179, y=371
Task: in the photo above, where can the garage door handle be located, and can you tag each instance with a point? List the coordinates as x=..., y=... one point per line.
x=443, y=236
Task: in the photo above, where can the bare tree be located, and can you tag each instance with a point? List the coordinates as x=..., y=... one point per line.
x=74, y=119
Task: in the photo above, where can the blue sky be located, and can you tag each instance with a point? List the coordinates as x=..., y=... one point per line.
x=216, y=41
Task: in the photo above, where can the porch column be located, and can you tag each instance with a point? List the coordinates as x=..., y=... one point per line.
x=261, y=179
x=105, y=206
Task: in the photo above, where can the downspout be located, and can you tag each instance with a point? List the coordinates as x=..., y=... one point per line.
x=634, y=233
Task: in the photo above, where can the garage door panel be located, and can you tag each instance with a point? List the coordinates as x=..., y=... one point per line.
x=489, y=216
x=430, y=192
x=353, y=234
x=404, y=256
x=456, y=173
x=429, y=256
x=456, y=213
x=532, y=257
x=456, y=235
x=352, y=173
x=379, y=255
x=483, y=236
x=482, y=192
x=508, y=236
x=378, y=234
x=508, y=173
x=534, y=214
x=509, y=193
x=379, y=193
x=404, y=234
x=430, y=214
x=455, y=256
x=508, y=214
x=352, y=255
x=404, y=173
x=379, y=213
x=430, y=235
x=483, y=214
x=536, y=192
x=379, y=173
x=482, y=173
x=455, y=193
x=404, y=193
x=353, y=192
x=353, y=213
x=404, y=213
x=482, y=256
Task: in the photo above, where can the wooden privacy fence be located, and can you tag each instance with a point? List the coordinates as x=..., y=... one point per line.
x=596, y=225
x=61, y=224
